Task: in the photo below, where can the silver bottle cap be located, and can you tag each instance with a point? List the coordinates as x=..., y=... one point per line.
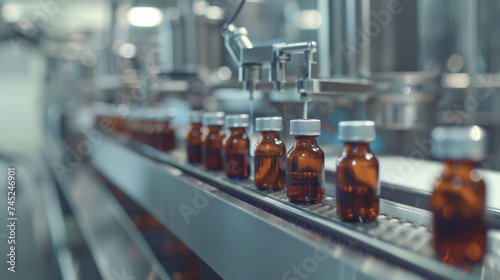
x=459, y=143
x=269, y=124
x=213, y=118
x=195, y=116
x=309, y=127
x=357, y=131
x=237, y=120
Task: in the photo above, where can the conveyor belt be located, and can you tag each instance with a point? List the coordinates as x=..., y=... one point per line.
x=401, y=235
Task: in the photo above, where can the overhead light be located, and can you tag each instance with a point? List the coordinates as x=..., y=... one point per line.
x=11, y=12
x=307, y=19
x=127, y=50
x=144, y=16
x=214, y=12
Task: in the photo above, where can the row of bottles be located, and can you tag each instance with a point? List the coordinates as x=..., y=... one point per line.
x=301, y=171
x=151, y=126
x=458, y=201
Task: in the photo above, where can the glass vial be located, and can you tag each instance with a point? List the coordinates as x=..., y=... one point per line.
x=270, y=155
x=193, y=137
x=133, y=124
x=458, y=200
x=357, y=186
x=236, y=148
x=211, y=140
x=149, y=133
x=164, y=130
x=305, y=166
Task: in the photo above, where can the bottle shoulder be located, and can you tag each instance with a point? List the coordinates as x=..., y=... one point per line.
x=270, y=148
x=236, y=144
x=212, y=136
x=456, y=182
x=313, y=152
x=365, y=159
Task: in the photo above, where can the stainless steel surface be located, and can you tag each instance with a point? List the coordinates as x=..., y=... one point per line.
x=305, y=127
x=321, y=86
x=34, y=254
x=59, y=234
x=424, y=63
x=236, y=235
x=117, y=246
x=376, y=239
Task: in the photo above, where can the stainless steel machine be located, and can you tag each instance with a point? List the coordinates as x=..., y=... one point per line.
x=139, y=213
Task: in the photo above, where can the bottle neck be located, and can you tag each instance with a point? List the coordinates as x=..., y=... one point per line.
x=356, y=147
x=456, y=167
x=234, y=131
x=268, y=135
x=214, y=128
x=305, y=141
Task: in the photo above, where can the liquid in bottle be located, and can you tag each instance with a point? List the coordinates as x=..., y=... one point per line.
x=142, y=123
x=458, y=200
x=149, y=123
x=305, y=168
x=193, y=137
x=211, y=140
x=236, y=148
x=270, y=155
x=164, y=130
x=357, y=186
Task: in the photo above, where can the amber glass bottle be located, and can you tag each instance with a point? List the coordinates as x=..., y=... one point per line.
x=122, y=111
x=357, y=186
x=142, y=123
x=211, y=140
x=193, y=137
x=305, y=166
x=149, y=125
x=270, y=155
x=104, y=117
x=458, y=200
x=236, y=148
x=130, y=123
x=133, y=124
x=164, y=133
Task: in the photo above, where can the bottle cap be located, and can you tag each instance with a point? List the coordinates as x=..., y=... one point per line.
x=357, y=131
x=269, y=124
x=308, y=127
x=195, y=116
x=237, y=120
x=213, y=118
x=458, y=143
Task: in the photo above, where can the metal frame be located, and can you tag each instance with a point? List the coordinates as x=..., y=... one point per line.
x=136, y=175
x=118, y=248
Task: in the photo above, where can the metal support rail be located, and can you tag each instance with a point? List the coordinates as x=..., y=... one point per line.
x=119, y=250
x=401, y=236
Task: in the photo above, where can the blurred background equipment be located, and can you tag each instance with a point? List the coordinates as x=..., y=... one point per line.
x=96, y=100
